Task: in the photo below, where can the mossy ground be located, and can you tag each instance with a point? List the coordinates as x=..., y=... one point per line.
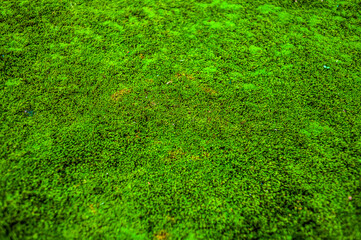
x=180, y=119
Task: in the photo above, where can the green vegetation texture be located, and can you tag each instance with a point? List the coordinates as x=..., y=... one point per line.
x=168, y=119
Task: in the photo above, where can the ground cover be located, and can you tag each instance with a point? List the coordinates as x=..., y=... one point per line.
x=180, y=119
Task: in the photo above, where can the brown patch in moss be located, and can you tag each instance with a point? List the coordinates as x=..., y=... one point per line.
x=92, y=209
x=117, y=95
x=174, y=155
x=188, y=76
x=149, y=80
x=209, y=90
x=161, y=235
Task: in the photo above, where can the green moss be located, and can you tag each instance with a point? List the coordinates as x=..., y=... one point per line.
x=176, y=119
